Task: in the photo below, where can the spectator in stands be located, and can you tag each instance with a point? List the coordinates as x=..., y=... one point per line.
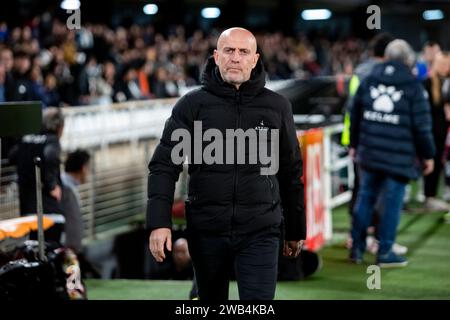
x=127, y=88
x=7, y=58
x=20, y=88
x=423, y=64
x=430, y=50
x=2, y=83
x=439, y=70
x=3, y=31
x=68, y=54
x=88, y=79
x=44, y=88
x=51, y=96
x=390, y=125
x=163, y=86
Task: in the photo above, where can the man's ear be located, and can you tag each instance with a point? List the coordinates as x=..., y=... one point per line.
x=255, y=59
x=216, y=56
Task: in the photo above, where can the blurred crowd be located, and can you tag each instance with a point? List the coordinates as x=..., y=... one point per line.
x=44, y=60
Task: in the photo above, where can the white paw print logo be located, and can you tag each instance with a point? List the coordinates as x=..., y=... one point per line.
x=384, y=97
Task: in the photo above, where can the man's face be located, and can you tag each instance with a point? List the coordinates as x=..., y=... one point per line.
x=441, y=65
x=2, y=73
x=6, y=57
x=430, y=52
x=22, y=64
x=85, y=170
x=236, y=57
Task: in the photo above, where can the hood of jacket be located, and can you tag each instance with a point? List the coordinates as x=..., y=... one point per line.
x=393, y=73
x=212, y=81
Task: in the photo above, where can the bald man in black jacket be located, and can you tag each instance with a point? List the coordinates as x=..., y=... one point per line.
x=234, y=211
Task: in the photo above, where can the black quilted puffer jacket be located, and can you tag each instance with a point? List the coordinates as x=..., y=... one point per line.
x=231, y=198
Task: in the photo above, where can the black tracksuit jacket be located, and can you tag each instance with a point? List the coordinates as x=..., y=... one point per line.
x=231, y=198
x=47, y=147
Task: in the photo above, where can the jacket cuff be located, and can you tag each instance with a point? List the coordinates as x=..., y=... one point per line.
x=159, y=214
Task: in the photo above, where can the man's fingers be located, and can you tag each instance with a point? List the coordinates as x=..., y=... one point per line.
x=428, y=167
x=299, y=248
x=158, y=254
x=292, y=248
x=153, y=249
x=150, y=244
x=285, y=249
x=169, y=243
x=160, y=250
x=160, y=238
x=157, y=249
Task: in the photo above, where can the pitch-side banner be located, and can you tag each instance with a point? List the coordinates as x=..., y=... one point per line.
x=311, y=142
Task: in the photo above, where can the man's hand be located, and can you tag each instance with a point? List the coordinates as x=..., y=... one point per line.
x=56, y=193
x=352, y=153
x=292, y=248
x=447, y=111
x=158, y=238
x=428, y=166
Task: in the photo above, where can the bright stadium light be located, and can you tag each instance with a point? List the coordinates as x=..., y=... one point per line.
x=210, y=13
x=433, y=15
x=150, y=9
x=316, y=14
x=70, y=5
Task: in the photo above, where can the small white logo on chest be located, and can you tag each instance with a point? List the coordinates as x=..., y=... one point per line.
x=261, y=126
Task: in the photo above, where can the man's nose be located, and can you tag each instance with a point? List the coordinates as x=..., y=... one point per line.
x=236, y=57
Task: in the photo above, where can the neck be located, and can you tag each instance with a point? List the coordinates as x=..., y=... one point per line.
x=76, y=176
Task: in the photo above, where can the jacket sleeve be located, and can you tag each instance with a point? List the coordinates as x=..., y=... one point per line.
x=163, y=173
x=290, y=175
x=422, y=124
x=50, y=166
x=356, y=115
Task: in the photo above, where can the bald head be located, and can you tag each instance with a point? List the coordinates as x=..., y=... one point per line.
x=236, y=55
x=237, y=33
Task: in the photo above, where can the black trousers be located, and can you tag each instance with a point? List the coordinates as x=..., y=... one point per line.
x=431, y=181
x=254, y=258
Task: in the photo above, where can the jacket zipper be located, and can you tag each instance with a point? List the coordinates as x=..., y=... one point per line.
x=272, y=187
x=235, y=177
